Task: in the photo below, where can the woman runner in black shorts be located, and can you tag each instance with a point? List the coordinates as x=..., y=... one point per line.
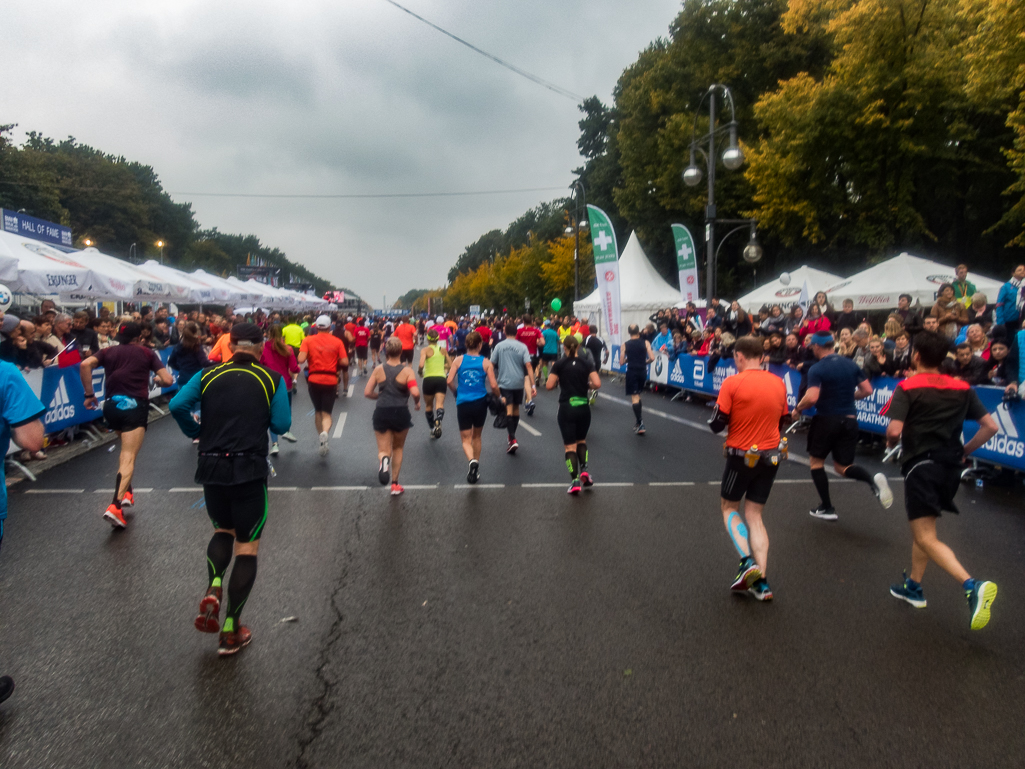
x=390, y=385
x=573, y=376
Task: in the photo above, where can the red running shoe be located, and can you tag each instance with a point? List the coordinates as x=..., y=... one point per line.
x=574, y=488
x=513, y=445
x=115, y=517
x=208, y=620
x=396, y=489
x=233, y=643
x=585, y=479
x=129, y=500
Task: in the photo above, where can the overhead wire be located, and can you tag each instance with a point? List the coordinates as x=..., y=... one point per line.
x=521, y=72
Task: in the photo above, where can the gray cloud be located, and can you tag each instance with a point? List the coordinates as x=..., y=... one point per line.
x=329, y=98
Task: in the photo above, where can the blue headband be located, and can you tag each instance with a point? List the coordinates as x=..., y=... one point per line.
x=822, y=338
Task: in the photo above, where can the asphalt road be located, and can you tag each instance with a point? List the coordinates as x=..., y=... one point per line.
x=505, y=625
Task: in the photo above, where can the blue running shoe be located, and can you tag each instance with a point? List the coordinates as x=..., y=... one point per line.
x=761, y=590
x=909, y=591
x=747, y=574
x=980, y=599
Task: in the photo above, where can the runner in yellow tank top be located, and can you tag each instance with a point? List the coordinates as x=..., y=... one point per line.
x=434, y=366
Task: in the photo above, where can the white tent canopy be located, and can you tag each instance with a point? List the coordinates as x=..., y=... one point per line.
x=786, y=296
x=35, y=267
x=117, y=279
x=878, y=287
x=642, y=291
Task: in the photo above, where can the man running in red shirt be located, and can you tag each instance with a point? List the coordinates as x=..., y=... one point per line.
x=361, y=336
x=530, y=335
x=406, y=332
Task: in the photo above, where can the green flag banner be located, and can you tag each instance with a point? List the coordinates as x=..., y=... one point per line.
x=686, y=262
x=606, y=269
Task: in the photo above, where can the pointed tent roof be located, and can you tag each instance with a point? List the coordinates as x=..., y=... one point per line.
x=878, y=287
x=641, y=287
x=774, y=292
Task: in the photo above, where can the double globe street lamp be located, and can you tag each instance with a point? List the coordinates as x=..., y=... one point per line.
x=732, y=158
x=578, y=225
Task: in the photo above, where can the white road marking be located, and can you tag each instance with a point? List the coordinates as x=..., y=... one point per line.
x=424, y=486
x=190, y=489
x=613, y=484
x=282, y=488
x=107, y=491
x=350, y=391
x=671, y=483
x=529, y=429
x=542, y=485
x=479, y=486
x=339, y=488
x=339, y=426
x=55, y=491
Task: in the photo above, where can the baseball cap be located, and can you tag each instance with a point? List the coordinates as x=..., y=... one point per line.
x=439, y=320
x=246, y=334
x=322, y=322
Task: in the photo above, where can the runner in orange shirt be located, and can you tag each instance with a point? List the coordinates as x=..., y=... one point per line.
x=406, y=332
x=326, y=356
x=753, y=403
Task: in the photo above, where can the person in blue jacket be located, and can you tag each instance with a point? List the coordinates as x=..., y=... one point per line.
x=1008, y=307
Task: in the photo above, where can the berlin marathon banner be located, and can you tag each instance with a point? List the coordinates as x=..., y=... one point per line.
x=606, y=269
x=686, y=263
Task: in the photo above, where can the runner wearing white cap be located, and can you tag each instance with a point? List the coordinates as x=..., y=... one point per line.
x=326, y=355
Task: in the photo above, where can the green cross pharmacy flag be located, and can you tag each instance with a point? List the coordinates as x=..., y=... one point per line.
x=686, y=263
x=606, y=270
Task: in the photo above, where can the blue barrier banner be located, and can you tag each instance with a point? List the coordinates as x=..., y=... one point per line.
x=690, y=372
x=1007, y=447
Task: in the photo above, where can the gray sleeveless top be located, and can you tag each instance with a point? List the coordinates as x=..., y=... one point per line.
x=390, y=393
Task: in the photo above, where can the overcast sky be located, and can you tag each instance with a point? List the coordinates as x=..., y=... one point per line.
x=328, y=98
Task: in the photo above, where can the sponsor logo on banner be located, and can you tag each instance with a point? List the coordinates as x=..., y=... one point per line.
x=939, y=280
x=783, y=293
x=60, y=408
x=837, y=287
x=610, y=276
x=699, y=370
x=1006, y=442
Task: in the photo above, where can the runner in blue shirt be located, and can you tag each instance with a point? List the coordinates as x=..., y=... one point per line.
x=551, y=349
x=20, y=411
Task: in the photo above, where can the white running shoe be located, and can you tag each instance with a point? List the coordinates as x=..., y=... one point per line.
x=324, y=445
x=289, y=437
x=882, y=489
x=274, y=449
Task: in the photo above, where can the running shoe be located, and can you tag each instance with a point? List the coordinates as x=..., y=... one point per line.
x=761, y=590
x=129, y=500
x=384, y=471
x=585, y=479
x=324, y=445
x=639, y=429
x=882, y=490
x=233, y=643
x=208, y=619
x=115, y=517
x=980, y=599
x=823, y=513
x=747, y=574
x=909, y=591
x=513, y=445
x=473, y=473
x=530, y=409
x=436, y=432
x=195, y=441
x=289, y=437
x=273, y=451
x=6, y=687
x=396, y=489
x=574, y=488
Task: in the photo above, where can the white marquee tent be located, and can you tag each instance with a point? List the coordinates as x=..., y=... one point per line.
x=643, y=292
x=878, y=287
x=786, y=296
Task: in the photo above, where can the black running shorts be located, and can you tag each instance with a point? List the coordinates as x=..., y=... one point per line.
x=394, y=419
x=549, y=357
x=406, y=356
x=323, y=396
x=833, y=433
x=242, y=507
x=534, y=361
x=512, y=397
x=635, y=379
x=574, y=422
x=472, y=413
x=361, y=352
x=930, y=485
x=434, y=385
x=755, y=482
x=124, y=420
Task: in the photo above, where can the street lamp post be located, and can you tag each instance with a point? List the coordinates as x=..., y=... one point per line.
x=578, y=224
x=733, y=159
x=160, y=245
